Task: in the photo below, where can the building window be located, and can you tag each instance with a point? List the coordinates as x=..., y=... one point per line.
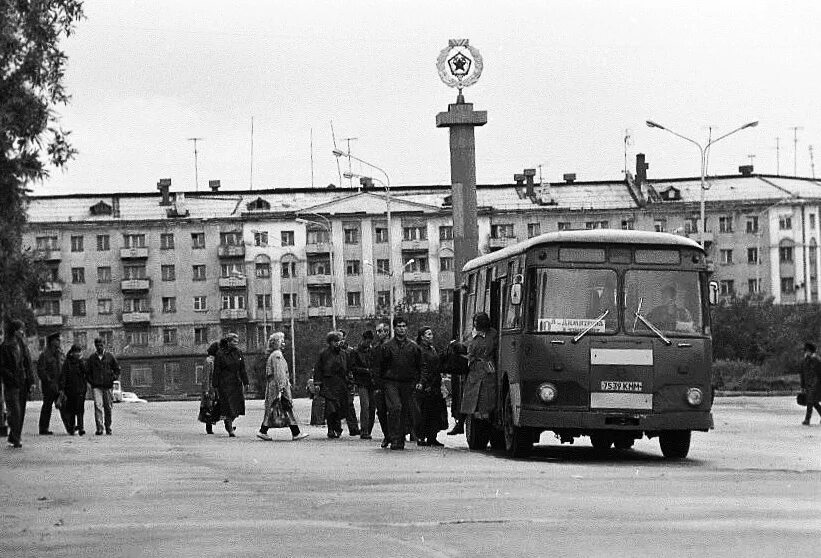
x=289, y=300
x=726, y=287
x=752, y=255
x=754, y=286
x=200, y=303
x=103, y=243
x=383, y=299
x=383, y=267
x=141, y=376
x=261, y=239
x=169, y=336
x=78, y=307
x=351, y=235
x=232, y=238
x=502, y=231
x=200, y=335
x=380, y=235
x=197, y=240
x=107, y=336
x=167, y=241
x=445, y=263
x=263, y=302
x=263, y=270
x=354, y=299
x=199, y=272
x=417, y=264
x=318, y=236
x=628, y=224
x=446, y=232
x=286, y=238
x=47, y=243
x=787, y=285
x=78, y=275
x=320, y=298
x=352, y=268
x=80, y=338
x=134, y=240
x=785, y=222
x=417, y=294
x=104, y=274
x=135, y=305
x=48, y=308
x=199, y=370
x=660, y=225
x=169, y=272
x=320, y=266
x=564, y=226
x=288, y=269
x=76, y=243
x=232, y=270
x=169, y=304
x=725, y=224
x=812, y=220
x=414, y=233
x=726, y=256
x=752, y=224
x=445, y=297
x=233, y=302
x=131, y=272
x=171, y=374
x=137, y=338
x=104, y=306
x=691, y=225
x=534, y=229
x=590, y=225
x=785, y=254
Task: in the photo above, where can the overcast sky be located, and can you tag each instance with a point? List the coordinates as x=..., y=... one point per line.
x=562, y=82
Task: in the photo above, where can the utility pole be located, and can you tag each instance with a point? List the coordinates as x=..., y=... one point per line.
x=196, y=170
x=350, y=170
x=777, y=156
x=252, y=155
x=812, y=163
x=795, y=148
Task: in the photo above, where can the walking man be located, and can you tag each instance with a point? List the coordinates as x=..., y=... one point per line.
x=48, y=369
x=17, y=376
x=350, y=417
x=379, y=402
x=102, y=369
x=400, y=367
x=811, y=381
x=362, y=364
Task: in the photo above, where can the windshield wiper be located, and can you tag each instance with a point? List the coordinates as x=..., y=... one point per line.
x=591, y=326
x=650, y=326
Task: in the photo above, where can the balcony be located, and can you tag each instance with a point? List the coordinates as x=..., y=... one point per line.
x=54, y=255
x=416, y=245
x=135, y=284
x=133, y=253
x=318, y=279
x=136, y=317
x=416, y=277
x=52, y=288
x=234, y=314
x=231, y=251
x=319, y=311
x=233, y=282
x=499, y=243
x=50, y=320
x=318, y=248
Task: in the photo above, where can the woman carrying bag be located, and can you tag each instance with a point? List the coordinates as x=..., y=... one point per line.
x=72, y=384
x=209, y=404
x=279, y=408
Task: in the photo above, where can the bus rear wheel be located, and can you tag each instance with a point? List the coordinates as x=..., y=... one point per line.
x=477, y=433
x=675, y=444
x=601, y=441
x=518, y=440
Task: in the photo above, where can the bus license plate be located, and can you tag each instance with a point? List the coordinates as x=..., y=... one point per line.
x=621, y=386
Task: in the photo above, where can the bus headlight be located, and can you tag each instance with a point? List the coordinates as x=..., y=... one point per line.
x=548, y=393
x=694, y=397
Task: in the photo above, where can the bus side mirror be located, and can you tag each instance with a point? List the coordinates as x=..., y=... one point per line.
x=713, y=293
x=516, y=294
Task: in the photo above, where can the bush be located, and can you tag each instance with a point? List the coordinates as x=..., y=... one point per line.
x=738, y=375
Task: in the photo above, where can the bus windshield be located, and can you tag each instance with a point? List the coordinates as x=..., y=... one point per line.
x=669, y=300
x=575, y=300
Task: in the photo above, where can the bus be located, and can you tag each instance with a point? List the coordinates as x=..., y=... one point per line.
x=602, y=333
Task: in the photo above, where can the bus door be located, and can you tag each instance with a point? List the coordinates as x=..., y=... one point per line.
x=621, y=374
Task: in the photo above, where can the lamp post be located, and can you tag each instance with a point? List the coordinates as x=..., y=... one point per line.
x=703, y=150
x=327, y=227
x=387, y=184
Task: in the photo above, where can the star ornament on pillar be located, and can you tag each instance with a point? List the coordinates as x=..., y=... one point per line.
x=459, y=64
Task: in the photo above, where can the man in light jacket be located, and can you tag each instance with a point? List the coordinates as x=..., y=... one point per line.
x=102, y=370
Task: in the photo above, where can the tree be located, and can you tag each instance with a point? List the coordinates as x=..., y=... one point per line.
x=32, y=68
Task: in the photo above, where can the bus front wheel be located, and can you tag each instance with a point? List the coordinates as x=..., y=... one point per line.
x=675, y=444
x=518, y=440
x=601, y=441
x=477, y=433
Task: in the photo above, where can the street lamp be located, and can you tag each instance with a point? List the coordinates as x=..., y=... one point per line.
x=703, y=151
x=387, y=184
x=326, y=226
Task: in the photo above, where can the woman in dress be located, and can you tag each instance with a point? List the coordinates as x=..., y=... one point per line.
x=279, y=409
x=72, y=383
x=229, y=380
x=209, y=407
x=479, y=395
x=432, y=407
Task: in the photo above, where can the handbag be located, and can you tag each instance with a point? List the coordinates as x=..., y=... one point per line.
x=801, y=398
x=61, y=400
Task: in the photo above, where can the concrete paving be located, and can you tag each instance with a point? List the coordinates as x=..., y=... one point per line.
x=161, y=487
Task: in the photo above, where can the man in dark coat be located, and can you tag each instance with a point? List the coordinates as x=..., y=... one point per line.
x=400, y=366
x=331, y=376
x=455, y=363
x=811, y=381
x=379, y=402
x=48, y=369
x=102, y=369
x=229, y=380
x=362, y=364
x=17, y=375
x=350, y=417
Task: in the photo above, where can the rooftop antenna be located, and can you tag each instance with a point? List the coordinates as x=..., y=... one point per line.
x=777, y=156
x=252, y=154
x=196, y=170
x=812, y=163
x=795, y=148
x=628, y=141
x=312, y=157
x=350, y=170
x=751, y=156
x=333, y=137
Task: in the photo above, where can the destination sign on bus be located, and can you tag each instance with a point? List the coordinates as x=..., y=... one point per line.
x=570, y=324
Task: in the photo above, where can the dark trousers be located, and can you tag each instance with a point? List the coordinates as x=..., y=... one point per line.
x=16, y=411
x=73, y=412
x=49, y=397
x=456, y=383
x=380, y=404
x=334, y=422
x=399, y=400
x=810, y=407
x=294, y=429
x=367, y=409
x=350, y=418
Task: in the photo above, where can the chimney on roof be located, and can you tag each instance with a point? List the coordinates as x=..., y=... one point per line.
x=641, y=170
x=569, y=177
x=164, y=185
x=746, y=170
x=214, y=185
x=529, y=174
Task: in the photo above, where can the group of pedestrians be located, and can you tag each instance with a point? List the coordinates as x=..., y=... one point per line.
x=64, y=382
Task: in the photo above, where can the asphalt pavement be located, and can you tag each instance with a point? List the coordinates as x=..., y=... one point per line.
x=160, y=486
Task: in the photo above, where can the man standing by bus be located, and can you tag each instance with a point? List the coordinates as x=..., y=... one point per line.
x=400, y=368
x=102, y=370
